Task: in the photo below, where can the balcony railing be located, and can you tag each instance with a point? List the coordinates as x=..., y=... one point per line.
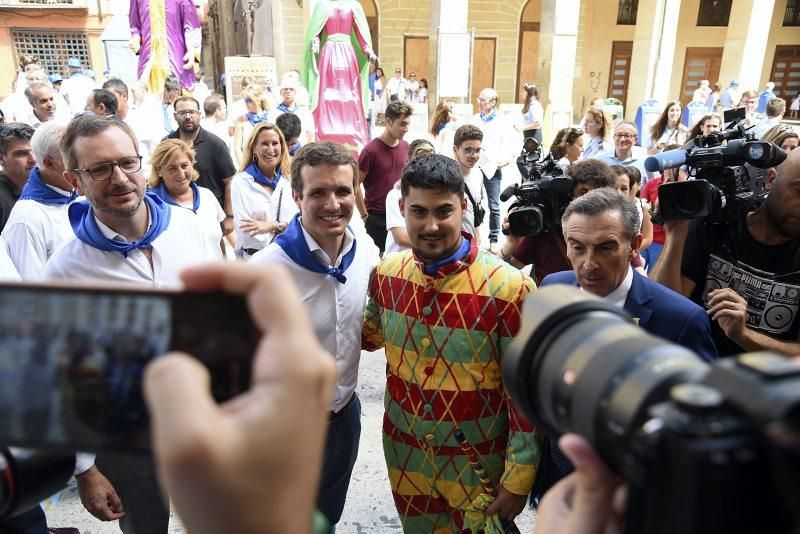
x=44, y=4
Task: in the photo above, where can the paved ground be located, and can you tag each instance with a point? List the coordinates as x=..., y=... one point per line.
x=369, y=505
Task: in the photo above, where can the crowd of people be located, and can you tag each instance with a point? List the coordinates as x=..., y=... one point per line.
x=98, y=183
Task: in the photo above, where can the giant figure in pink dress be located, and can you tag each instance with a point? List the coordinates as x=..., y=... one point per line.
x=166, y=34
x=335, y=70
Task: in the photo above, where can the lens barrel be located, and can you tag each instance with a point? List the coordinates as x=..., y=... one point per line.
x=28, y=476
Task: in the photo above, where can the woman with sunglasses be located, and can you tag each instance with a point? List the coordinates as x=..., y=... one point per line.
x=261, y=193
x=258, y=107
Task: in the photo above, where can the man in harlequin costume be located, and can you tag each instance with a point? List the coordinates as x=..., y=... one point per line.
x=166, y=34
x=445, y=311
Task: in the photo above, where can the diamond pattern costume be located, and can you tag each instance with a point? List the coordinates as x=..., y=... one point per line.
x=444, y=337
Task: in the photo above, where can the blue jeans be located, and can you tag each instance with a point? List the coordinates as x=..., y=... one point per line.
x=341, y=450
x=493, y=192
x=30, y=522
x=651, y=255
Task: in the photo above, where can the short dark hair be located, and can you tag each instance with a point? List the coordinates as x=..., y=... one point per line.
x=634, y=175
x=13, y=131
x=468, y=132
x=289, y=124
x=117, y=85
x=107, y=98
x=211, y=104
x=397, y=109
x=432, y=171
x=185, y=99
x=322, y=153
x=89, y=125
x=592, y=172
x=599, y=201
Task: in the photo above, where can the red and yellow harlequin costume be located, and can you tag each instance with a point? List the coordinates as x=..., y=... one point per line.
x=444, y=337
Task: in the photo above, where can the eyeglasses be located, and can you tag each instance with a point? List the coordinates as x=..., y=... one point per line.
x=103, y=171
x=624, y=136
x=470, y=151
x=186, y=112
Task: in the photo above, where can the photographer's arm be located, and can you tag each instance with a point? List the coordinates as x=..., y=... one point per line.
x=253, y=463
x=668, y=269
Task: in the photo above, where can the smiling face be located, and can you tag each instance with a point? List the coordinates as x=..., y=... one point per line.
x=673, y=115
x=468, y=154
x=433, y=222
x=267, y=151
x=44, y=104
x=119, y=196
x=598, y=251
x=624, y=139
x=327, y=202
x=177, y=174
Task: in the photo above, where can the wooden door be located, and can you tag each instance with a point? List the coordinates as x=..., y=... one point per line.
x=528, y=55
x=700, y=64
x=483, y=50
x=620, y=71
x=786, y=72
x=415, y=56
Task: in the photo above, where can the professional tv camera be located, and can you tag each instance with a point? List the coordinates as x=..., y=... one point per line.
x=543, y=195
x=729, y=180
x=704, y=448
x=28, y=476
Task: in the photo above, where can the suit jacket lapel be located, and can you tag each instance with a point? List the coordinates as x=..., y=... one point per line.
x=638, y=297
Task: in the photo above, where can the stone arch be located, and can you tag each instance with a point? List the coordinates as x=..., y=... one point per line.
x=528, y=49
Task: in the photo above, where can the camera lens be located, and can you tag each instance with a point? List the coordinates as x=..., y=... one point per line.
x=580, y=365
x=687, y=200
x=528, y=220
x=28, y=476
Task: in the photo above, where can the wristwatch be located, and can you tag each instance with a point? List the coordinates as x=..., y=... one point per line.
x=280, y=227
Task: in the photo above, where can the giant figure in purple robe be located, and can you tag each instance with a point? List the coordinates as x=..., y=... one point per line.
x=335, y=70
x=166, y=34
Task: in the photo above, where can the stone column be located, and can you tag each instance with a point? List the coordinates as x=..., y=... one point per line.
x=447, y=16
x=746, y=42
x=653, y=52
x=558, y=38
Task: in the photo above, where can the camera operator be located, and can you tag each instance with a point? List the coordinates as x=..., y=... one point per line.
x=547, y=251
x=756, y=257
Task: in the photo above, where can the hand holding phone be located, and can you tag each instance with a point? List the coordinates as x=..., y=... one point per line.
x=253, y=461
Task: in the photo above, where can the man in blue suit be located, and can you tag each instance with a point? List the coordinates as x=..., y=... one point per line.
x=601, y=230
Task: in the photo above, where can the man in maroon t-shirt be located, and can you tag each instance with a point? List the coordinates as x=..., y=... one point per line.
x=380, y=165
x=548, y=251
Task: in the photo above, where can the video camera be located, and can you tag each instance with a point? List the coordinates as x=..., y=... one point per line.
x=543, y=195
x=28, y=476
x=728, y=178
x=705, y=448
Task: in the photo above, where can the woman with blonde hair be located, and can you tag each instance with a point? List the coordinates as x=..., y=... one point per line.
x=172, y=179
x=261, y=193
x=258, y=107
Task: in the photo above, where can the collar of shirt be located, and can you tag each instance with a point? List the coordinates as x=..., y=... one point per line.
x=109, y=233
x=620, y=295
x=320, y=255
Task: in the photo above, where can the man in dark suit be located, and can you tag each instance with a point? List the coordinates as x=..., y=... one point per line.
x=601, y=230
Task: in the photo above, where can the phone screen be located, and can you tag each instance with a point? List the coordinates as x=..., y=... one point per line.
x=71, y=359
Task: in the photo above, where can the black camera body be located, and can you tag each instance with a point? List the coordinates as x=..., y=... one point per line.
x=729, y=179
x=705, y=448
x=543, y=195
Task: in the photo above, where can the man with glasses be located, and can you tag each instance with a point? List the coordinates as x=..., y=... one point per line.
x=467, y=150
x=499, y=144
x=625, y=151
x=397, y=86
x=213, y=159
x=123, y=235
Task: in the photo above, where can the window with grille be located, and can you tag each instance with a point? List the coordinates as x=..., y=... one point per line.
x=714, y=13
x=52, y=48
x=792, y=15
x=626, y=12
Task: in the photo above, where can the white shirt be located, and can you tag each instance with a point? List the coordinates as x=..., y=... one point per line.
x=8, y=273
x=394, y=219
x=474, y=182
x=76, y=89
x=33, y=121
x=336, y=309
x=34, y=232
x=396, y=86
x=210, y=214
x=636, y=159
x=500, y=142
x=307, y=133
x=252, y=201
x=620, y=295
x=761, y=128
x=218, y=128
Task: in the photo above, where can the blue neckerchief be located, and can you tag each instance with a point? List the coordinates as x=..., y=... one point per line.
x=463, y=250
x=35, y=189
x=294, y=150
x=283, y=107
x=255, y=118
x=261, y=178
x=293, y=243
x=440, y=126
x=81, y=217
x=489, y=117
x=162, y=193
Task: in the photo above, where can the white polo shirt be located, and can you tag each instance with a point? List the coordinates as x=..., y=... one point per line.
x=394, y=219
x=34, y=232
x=210, y=215
x=501, y=142
x=336, y=309
x=251, y=201
x=184, y=243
